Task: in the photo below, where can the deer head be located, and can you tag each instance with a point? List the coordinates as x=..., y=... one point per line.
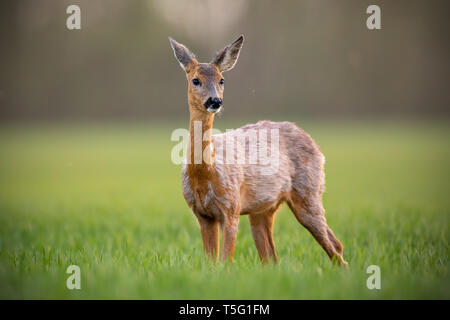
x=205, y=80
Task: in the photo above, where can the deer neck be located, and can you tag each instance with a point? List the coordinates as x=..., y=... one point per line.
x=202, y=174
x=201, y=150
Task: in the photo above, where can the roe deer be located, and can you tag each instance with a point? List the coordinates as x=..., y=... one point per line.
x=218, y=193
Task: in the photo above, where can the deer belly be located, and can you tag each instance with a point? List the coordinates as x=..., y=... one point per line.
x=256, y=200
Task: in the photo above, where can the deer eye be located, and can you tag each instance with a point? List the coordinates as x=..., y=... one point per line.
x=222, y=81
x=196, y=82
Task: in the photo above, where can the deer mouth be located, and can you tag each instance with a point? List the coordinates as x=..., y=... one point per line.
x=213, y=109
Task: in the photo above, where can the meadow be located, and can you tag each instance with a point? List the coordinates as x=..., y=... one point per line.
x=107, y=197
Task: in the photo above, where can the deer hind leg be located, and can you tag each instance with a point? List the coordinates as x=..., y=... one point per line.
x=312, y=216
x=262, y=231
x=229, y=232
x=210, y=235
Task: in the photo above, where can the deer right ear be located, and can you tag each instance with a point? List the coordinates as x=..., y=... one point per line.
x=183, y=55
x=226, y=58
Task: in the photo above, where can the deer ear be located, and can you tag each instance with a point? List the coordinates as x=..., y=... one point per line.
x=183, y=55
x=226, y=58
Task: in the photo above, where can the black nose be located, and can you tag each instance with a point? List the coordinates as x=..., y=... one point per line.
x=213, y=102
x=216, y=102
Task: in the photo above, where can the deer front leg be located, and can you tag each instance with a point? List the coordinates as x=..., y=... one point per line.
x=229, y=232
x=210, y=235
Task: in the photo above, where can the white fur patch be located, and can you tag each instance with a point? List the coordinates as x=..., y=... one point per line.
x=212, y=110
x=186, y=184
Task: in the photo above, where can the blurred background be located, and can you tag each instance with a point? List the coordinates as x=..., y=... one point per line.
x=300, y=58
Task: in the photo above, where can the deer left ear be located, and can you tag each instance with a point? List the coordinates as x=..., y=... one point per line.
x=226, y=58
x=185, y=57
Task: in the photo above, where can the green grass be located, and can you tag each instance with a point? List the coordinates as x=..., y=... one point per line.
x=108, y=199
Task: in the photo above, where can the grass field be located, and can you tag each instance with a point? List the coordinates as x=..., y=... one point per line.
x=108, y=199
